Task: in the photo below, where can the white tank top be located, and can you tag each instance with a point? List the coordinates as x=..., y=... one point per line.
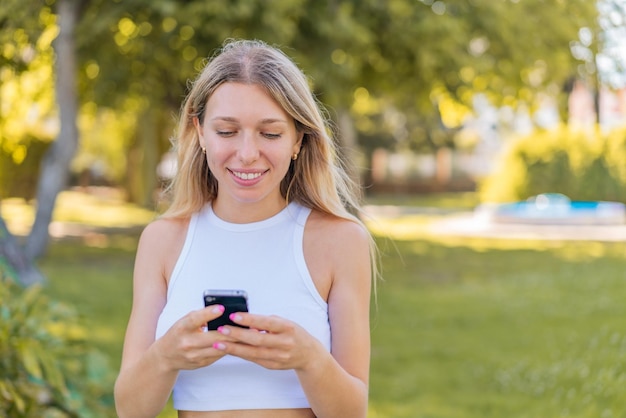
x=266, y=260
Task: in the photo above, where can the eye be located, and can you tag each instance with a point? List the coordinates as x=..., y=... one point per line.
x=225, y=133
x=269, y=135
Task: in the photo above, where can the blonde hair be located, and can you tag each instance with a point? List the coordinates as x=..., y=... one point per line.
x=317, y=179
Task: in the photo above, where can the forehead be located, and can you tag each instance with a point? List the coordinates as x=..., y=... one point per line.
x=241, y=101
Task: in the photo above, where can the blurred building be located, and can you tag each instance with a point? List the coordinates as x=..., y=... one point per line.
x=453, y=170
x=582, y=107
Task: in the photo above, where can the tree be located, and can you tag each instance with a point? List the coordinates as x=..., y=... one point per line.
x=599, y=47
x=55, y=168
x=385, y=69
x=20, y=30
x=507, y=50
x=369, y=61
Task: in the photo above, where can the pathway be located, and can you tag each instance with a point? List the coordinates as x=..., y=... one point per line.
x=465, y=223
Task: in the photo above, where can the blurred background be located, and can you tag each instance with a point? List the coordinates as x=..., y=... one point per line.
x=441, y=106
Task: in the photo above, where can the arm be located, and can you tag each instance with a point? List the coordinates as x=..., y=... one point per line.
x=149, y=368
x=336, y=383
x=143, y=380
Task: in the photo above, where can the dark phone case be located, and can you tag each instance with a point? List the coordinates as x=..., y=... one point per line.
x=231, y=304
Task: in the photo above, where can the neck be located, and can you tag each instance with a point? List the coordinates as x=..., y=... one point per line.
x=246, y=212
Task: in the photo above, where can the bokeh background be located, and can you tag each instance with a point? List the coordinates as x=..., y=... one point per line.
x=440, y=106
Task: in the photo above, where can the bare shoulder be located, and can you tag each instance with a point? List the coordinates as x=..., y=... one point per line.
x=164, y=229
x=336, y=248
x=337, y=232
x=163, y=240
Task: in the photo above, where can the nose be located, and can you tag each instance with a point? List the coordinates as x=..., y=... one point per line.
x=248, y=150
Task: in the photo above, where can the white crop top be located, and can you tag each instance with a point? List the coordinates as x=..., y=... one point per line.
x=266, y=260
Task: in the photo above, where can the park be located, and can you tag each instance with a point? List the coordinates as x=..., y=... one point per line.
x=441, y=107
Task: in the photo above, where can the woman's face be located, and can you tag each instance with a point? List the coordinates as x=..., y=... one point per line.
x=249, y=141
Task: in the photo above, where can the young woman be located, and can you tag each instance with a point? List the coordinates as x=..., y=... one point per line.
x=259, y=203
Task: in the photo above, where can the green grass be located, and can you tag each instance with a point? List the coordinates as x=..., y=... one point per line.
x=463, y=328
x=471, y=330
x=464, y=200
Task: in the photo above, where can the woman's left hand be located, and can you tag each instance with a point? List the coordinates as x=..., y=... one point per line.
x=272, y=342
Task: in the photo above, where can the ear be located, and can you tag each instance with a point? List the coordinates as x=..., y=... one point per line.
x=298, y=145
x=198, y=126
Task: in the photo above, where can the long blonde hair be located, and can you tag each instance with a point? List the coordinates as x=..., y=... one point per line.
x=317, y=179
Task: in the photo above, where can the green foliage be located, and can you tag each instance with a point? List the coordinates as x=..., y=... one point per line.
x=393, y=64
x=27, y=108
x=47, y=368
x=21, y=23
x=19, y=178
x=583, y=165
x=398, y=66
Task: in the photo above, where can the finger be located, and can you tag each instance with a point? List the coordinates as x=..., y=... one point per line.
x=268, y=323
x=264, y=356
x=246, y=336
x=285, y=339
x=202, y=357
x=198, y=319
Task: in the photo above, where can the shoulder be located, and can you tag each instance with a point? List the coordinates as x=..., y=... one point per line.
x=162, y=240
x=337, y=253
x=343, y=244
x=163, y=233
x=165, y=228
x=337, y=231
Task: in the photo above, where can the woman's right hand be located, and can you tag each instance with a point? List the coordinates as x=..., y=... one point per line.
x=187, y=345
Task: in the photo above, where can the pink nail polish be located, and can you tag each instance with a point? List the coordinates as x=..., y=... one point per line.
x=218, y=309
x=219, y=346
x=234, y=317
x=223, y=330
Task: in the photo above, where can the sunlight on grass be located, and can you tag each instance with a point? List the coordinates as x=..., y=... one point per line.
x=417, y=227
x=18, y=215
x=401, y=228
x=464, y=200
x=109, y=211
x=101, y=209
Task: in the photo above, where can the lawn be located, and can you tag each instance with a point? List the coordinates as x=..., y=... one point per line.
x=462, y=328
x=475, y=328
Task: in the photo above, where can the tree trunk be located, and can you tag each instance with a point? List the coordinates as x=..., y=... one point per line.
x=143, y=160
x=12, y=254
x=55, y=166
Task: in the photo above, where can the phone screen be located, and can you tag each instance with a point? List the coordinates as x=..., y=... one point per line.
x=232, y=300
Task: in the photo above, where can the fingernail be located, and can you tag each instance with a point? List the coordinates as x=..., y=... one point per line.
x=219, y=346
x=234, y=317
x=223, y=330
x=218, y=309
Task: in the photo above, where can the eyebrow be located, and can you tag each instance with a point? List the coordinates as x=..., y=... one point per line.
x=266, y=121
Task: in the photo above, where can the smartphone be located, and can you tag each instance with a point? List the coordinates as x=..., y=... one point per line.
x=232, y=300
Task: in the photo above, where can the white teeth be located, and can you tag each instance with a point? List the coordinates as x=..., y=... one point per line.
x=246, y=176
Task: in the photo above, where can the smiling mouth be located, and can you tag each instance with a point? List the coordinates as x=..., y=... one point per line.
x=246, y=176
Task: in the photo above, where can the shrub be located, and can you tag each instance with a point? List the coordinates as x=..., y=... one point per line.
x=582, y=165
x=616, y=154
x=47, y=368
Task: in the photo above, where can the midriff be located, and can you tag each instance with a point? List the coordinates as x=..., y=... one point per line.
x=256, y=413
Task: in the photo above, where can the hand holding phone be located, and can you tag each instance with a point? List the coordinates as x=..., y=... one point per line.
x=232, y=301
